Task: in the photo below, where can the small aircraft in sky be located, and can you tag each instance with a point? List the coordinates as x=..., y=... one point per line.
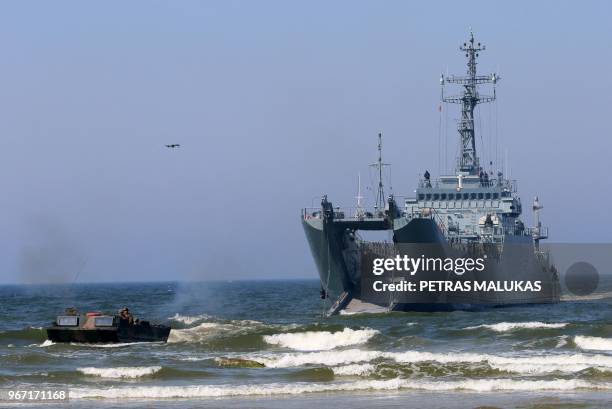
x=173, y=145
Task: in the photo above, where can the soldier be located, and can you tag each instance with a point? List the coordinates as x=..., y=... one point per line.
x=124, y=314
x=427, y=177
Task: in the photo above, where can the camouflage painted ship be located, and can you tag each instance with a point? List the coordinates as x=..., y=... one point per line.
x=471, y=211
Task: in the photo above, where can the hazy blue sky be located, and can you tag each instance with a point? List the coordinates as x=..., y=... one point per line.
x=274, y=103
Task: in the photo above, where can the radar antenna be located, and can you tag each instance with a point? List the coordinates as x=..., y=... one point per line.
x=380, y=194
x=468, y=161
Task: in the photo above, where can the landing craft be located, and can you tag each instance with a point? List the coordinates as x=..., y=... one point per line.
x=95, y=327
x=474, y=211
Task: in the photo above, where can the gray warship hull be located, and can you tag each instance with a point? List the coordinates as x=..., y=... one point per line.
x=337, y=251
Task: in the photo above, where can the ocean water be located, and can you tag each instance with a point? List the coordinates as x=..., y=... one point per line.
x=284, y=354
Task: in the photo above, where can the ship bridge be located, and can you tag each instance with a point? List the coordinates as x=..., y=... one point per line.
x=470, y=206
x=466, y=192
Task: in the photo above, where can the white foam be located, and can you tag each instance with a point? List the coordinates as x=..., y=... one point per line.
x=595, y=296
x=593, y=343
x=192, y=358
x=354, y=370
x=562, y=342
x=121, y=372
x=510, y=326
x=47, y=343
x=188, y=319
x=529, y=364
x=328, y=358
x=195, y=334
x=321, y=340
x=206, y=330
x=204, y=391
x=113, y=345
x=534, y=364
x=345, y=312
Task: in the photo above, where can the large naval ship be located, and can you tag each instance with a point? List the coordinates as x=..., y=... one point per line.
x=473, y=211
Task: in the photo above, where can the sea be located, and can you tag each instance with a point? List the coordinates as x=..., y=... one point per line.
x=267, y=344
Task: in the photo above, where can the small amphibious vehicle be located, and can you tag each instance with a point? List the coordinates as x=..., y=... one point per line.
x=95, y=327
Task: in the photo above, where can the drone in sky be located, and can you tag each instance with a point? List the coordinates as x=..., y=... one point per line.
x=173, y=145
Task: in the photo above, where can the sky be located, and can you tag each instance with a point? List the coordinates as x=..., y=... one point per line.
x=274, y=103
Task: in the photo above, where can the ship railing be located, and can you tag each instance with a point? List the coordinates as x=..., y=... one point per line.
x=509, y=185
x=501, y=230
x=505, y=184
x=496, y=230
x=311, y=213
x=523, y=231
x=538, y=232
x=345, y=213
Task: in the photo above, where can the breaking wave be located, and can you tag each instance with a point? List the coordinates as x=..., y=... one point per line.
x=354, y=370
x=47, y=343
x=328, y=358
x=593, y=343
x=320, y=340
x=536, y=364
x=239, y=333
x=194, y=334
x=188, y=319
x=193, y=358
x=510, y=326
x=121, y=372
x=113, y=345
x=202, y=391
x=562, y=342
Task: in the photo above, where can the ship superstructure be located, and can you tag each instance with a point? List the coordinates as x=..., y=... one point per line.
x=471, y=210
x=473, y=203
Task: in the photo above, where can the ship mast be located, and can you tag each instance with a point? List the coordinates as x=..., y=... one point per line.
x=380, y=193
x=359, y=213
x=468, y=162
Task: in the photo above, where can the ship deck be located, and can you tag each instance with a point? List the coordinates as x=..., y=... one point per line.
x=347, y=218
x=365, y=224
